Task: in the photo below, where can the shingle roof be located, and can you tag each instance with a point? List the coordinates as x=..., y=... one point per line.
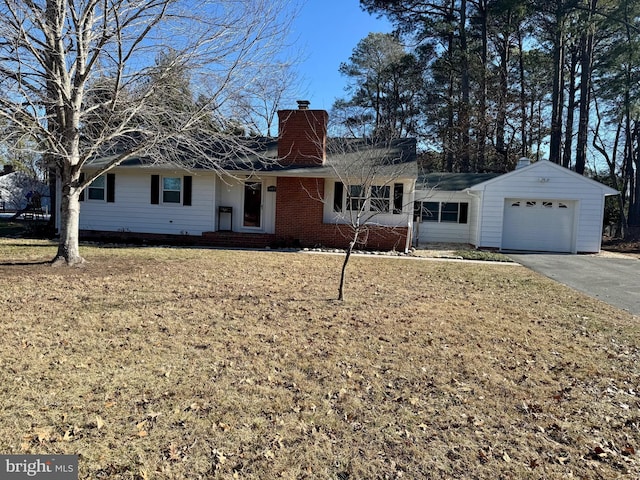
x=344, y=157
x=452, y=181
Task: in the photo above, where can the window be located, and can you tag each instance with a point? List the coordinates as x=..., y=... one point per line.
x=377, y=198
x=171, y=188
x=445, y=212
x=96, y=189
x=338, y=194
x=101, y=189
x=380, y=198
x=449, y=212
x=356, y=197
x=430, y=211
x=398, y=193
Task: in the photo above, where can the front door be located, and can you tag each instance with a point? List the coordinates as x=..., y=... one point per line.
x=252, y=204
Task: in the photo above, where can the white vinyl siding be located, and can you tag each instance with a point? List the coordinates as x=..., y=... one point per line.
x=134, y=213
x=437, y=230
x=543, y=181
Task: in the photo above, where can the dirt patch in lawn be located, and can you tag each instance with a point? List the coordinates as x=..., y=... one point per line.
x=188, y=363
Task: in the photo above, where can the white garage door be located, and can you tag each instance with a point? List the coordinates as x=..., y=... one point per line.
x=538, y=225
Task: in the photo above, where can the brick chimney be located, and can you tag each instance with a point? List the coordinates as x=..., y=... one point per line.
x=303, y=136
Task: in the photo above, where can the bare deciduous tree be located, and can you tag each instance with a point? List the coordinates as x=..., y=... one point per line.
x=81, y=77
x=373, y=192
x=268, y=95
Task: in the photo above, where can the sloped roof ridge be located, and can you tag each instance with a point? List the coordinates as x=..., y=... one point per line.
x=540, y=164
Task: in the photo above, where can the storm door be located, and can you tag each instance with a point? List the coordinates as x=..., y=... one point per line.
x=252, y=204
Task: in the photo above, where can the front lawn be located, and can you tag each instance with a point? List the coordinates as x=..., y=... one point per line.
x=166, y=363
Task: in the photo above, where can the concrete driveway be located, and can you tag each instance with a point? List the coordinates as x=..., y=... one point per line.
x=614, y=280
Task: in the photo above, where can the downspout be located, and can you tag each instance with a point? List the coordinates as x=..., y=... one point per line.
x=409, y=240
x=477, y=216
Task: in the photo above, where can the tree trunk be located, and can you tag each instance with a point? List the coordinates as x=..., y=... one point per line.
x=524, y=149
x=571, y=106
x=557, y=100
x=68, y=244
x=503, y=93
x=633, y=217
x=586, y=64
x=482, y=102
x=343, y=272
x=449, y=140
x=465, y=91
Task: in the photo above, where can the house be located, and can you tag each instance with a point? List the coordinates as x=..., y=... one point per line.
x=539, y=206
x=18, y=188
x=305, y=197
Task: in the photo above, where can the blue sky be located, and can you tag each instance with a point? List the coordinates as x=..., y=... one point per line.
x=327, y=32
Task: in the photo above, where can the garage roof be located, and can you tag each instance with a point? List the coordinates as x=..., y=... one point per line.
x=452, y=181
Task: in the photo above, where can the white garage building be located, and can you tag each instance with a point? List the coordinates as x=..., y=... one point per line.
x=539, y=206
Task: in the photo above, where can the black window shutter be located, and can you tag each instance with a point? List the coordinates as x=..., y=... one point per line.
x=81, y=179
x=338, y=194
x=111, y=187
x=464, y=213
x=398, y=192
x=186, y=194
x=155, y=189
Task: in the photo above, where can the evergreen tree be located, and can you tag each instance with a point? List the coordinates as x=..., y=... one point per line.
x=384, y=83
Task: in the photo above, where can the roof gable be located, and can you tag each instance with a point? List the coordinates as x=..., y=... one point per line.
x=544, y=169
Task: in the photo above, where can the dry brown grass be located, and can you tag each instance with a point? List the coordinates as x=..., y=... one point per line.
x=183, y=363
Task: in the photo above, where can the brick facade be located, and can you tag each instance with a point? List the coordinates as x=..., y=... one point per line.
x=299, y=221
x=303, y=137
